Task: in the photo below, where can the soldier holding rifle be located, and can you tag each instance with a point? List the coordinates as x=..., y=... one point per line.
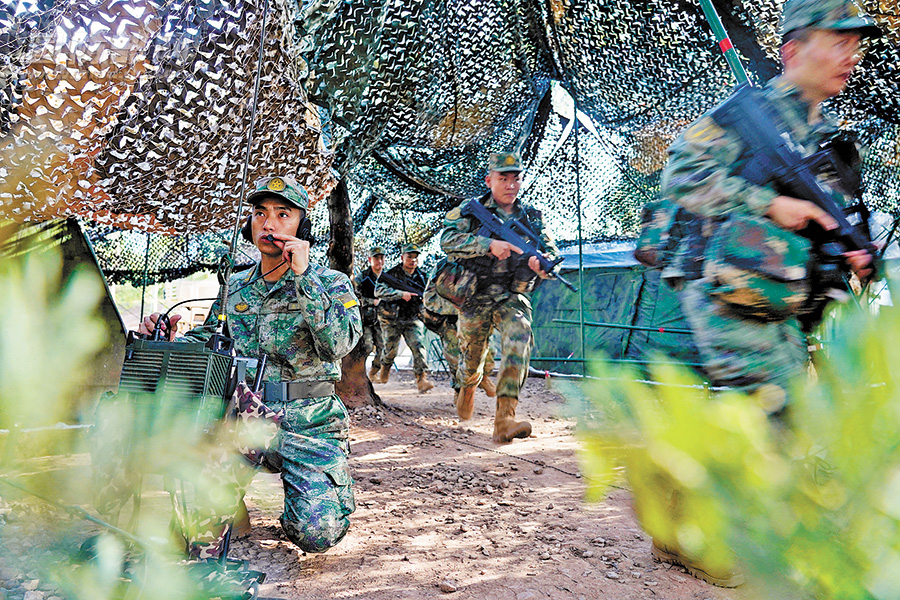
x=400, y=290
x=752, y=343
x=500, y=297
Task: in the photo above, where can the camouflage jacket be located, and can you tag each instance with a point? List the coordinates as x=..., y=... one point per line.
x=434, y=301
x=704, y=161
x=461, y=241
x=305, y=323
x=407, y=310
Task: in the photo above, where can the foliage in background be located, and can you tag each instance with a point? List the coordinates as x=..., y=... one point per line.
x=809, y=510
x=49, y=333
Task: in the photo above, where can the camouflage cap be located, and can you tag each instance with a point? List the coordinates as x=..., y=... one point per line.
x=505, y=162
x=283, y=187
x=376, y=251
x=827, y=14
x=408, y=248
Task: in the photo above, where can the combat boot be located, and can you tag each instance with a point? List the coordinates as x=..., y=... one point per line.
x=506, y=428
x=726, y=577
x=465, y=403
x=373, y=372
x=385, y=374
x=422, y=383
x=488, y=386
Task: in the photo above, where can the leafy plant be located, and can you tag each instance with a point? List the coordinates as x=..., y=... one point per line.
x=808, y=505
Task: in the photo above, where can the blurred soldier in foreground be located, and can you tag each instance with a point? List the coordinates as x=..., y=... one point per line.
x=742, y=346
x=373, y=338
x=306, y=318
x=499, y=298
x=400, y=311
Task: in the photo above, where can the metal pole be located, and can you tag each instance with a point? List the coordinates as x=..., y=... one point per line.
x=731, y=56
x=237, y=222
x=144, y=279
x=580, y=237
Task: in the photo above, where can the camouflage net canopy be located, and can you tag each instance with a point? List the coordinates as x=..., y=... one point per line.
x=136, y=114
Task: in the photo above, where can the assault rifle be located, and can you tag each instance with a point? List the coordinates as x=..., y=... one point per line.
x=402, y=285
x=775, y=159
x=517, y=234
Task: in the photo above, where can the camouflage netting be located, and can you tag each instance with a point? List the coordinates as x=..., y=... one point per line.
x=136, y=114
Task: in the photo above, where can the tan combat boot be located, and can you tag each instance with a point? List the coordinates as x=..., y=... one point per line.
x=506, y=428
x=385, y=374
x=721, y=576
x=465, y=402
x=373, y=372
x=488, y=386
x=422, y=383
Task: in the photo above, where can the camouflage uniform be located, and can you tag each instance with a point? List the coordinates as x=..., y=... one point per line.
x=448, y=334
x=373, y=337
x=737, y=351
x=305, y=324
x=407, y=323
x=495, y=305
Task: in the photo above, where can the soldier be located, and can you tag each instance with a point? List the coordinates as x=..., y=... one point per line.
x=306, y=318
x=400, y=312
x=441, y=318
x=502, y=299
x=820, y=48
x=365, y=290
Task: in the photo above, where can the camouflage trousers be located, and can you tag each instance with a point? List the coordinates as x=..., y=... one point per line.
x=452, y=353
x=745, y=354
x=512, y=318
x=309, y=449
x=373, y=339
x=414, y=334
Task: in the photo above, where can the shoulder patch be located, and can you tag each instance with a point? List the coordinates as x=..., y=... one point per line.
x=348, y=300
x=704, y=130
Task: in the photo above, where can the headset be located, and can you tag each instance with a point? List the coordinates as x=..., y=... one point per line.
x=304, y=230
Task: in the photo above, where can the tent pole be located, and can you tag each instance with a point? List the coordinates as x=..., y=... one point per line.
x=232, y=250
x=580, y=238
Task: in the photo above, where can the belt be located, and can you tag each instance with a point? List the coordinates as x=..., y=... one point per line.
x=285, y=391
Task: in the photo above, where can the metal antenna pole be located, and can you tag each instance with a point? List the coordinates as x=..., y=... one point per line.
x=232, y=250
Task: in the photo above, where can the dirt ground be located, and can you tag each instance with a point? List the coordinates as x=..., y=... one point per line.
x=443, y=511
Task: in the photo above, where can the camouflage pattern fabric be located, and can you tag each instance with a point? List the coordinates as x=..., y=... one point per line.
x=761, y=358
x=702, y=176
x=758, y=268
x=448, y=330
x=414, y=334
x=373, y=337
x=495, y=305
x=408, y=325
x=305, y=324
x=512, y=318
x=460, y=241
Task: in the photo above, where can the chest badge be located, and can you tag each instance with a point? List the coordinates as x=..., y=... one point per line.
x=242, y=307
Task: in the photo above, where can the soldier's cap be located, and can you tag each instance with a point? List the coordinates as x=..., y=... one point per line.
x=283, y=187
x=842, y=15
x=409, y=248
x=376, y=251
x=505, y=162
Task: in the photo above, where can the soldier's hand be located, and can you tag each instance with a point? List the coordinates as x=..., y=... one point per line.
x=148, y=325
x=407, y=296
x=860, y=262
x=535, y=265
x=503, y=250
x=294, y=252
x=794, y=214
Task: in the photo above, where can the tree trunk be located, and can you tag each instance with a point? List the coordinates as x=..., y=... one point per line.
x=354, y=388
